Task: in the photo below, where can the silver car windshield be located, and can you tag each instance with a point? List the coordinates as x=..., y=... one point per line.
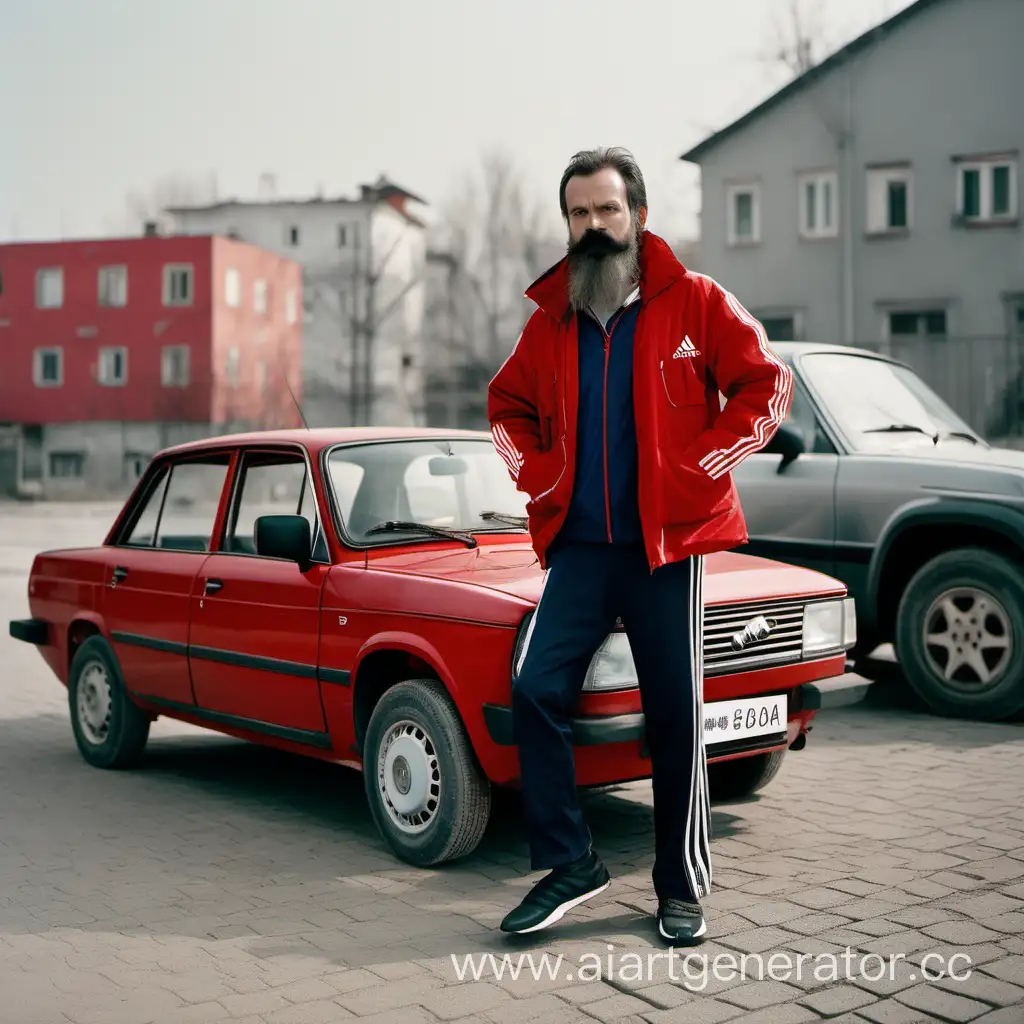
x=446, y=484
x=880, y=406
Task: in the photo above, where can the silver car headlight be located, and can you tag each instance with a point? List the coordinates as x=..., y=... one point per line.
x=612, y=667
x=829, y=626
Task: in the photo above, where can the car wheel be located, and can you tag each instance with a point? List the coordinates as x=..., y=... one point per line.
x=960, y=635
x=743, y=776
x=429, y=799
x=110, y=729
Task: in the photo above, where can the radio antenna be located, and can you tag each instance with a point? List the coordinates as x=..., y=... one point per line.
x=302, y=415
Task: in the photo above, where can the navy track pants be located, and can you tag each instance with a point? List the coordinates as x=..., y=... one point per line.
x=587, y=587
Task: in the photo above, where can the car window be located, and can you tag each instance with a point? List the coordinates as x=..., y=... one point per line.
x=269, y=484
x=803, y=417
x=180, y=510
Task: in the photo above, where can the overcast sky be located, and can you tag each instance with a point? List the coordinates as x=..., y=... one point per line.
x=102, y=97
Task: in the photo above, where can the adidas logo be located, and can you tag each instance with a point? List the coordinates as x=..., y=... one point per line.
x=686, y=349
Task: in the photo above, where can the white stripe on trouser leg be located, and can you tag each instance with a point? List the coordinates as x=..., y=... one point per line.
x=529, y=628
x=704, y=815
x=694, y=854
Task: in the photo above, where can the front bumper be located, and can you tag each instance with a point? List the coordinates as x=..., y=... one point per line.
x=31, y=631
x=596, y=730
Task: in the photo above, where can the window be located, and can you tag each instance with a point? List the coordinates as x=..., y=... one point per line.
x=779, y=328
x=174, y=360
x=342, y=236
x=50, y=288
x=67, y=465
x=270, y=484
x=293, y=235
x=291, y=306
x=231, y=367
x=178, y=284
x=135, y=465
x=113, y=286
x=987, y=190
x=919, y=323
x=112, y=370
x=48, y=369
x=819, y=211
x=259, y=297
x=889, y=199
x=743, y=214
x=232, y=288
x=180, y=509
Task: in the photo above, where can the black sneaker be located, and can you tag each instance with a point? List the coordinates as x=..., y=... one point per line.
x=558, y=892
x=681, y=922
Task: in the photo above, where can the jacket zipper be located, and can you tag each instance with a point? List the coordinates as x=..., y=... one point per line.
x=604, y=433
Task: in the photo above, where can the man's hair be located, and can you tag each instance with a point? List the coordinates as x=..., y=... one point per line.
x=590, y=161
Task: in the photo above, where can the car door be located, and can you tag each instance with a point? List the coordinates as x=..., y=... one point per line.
x=157, y=553
x=254, y=635
x=791, y=515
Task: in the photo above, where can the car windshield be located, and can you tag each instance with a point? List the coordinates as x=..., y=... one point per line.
x=446, y=484
x=882, y=406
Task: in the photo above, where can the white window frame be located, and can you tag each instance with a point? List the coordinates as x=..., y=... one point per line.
x=37, y=366
x=985, y=166
x=232, y=366
x=232, y=288
x=169, y=364
x=876, y=200
x=105, y=366
x=170, y=270
x=291, y=306
x=112, y=286
x=732, y=191
x=44, y=274
x=819, y=179
x=259, y=297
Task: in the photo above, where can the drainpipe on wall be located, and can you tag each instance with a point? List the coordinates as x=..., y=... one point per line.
x=847, y=147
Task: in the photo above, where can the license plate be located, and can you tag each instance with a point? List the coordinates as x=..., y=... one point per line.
x=728, y=720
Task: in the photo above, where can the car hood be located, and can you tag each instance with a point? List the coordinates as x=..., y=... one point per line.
x=513, y=569
x=958, y=467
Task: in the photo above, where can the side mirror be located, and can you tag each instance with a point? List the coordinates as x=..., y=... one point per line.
x=787, y=442
x=285, y=537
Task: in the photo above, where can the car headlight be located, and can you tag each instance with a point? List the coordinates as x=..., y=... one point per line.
x=612, y=667
x=829, y=626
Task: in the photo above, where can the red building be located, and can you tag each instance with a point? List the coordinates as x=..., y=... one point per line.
x=114, y=348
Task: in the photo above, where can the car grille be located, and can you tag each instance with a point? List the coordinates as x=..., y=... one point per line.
x=784, y=644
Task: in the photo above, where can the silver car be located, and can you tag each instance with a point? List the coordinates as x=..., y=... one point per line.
x=875, y=480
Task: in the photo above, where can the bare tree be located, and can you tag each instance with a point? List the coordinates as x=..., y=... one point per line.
x=798, y=38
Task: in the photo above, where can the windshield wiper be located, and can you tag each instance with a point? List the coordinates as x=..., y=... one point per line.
x=963, y=435
x=504, y=517
x=903, y=428
x=401, y=526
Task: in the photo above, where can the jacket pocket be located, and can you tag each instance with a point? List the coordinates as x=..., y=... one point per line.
x=541, y=474
x=681, y=383
x=689, y=495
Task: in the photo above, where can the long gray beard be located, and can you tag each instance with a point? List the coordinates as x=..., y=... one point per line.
x=604, y=283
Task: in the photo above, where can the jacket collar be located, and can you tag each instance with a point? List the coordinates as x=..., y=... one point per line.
x=659, y=268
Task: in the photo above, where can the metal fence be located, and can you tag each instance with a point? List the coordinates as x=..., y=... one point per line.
x=982, y=378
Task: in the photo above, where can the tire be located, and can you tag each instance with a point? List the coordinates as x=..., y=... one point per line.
x=110, y=729
x=970, y=601
x=743, y=776
x=419, y=720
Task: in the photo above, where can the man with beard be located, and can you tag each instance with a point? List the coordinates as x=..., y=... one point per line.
x=608, y=416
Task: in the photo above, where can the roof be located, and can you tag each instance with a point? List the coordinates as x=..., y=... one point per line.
x=862, y=42
x=322, y=437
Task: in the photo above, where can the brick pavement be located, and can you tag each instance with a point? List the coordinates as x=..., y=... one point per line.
x=224, y=882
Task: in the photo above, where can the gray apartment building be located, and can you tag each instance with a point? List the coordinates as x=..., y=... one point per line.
x=875, y=200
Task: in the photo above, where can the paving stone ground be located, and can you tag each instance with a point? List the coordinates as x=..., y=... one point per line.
x=224, y=882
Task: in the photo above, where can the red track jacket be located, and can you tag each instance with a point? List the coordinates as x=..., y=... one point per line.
x=693, y=340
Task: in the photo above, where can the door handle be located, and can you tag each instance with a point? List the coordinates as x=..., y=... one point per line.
x=212, y=586
x=118, y=576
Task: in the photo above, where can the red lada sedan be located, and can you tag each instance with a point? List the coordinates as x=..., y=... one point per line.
x=360, y=596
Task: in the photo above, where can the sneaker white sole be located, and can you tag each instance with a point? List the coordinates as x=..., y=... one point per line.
x=560, y=911
x=702, y=930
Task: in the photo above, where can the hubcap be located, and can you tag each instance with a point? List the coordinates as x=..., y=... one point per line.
x=94, y=702
x=968, y=639
x=409, y=777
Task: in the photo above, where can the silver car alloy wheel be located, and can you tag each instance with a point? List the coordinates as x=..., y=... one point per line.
x=409, y=777
x=94, y=700
x=968, y=639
